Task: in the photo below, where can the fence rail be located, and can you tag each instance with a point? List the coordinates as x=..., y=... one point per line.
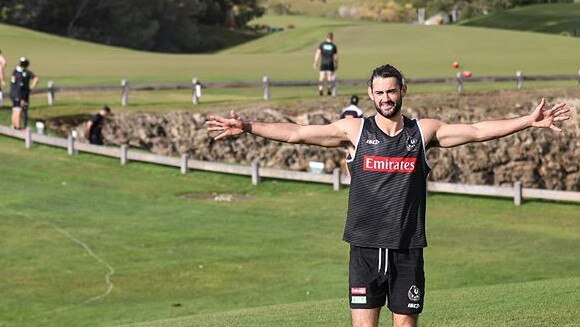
x=266, y=83
x=256, y=172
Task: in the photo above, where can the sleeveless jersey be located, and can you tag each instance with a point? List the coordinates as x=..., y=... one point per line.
x=386, y=205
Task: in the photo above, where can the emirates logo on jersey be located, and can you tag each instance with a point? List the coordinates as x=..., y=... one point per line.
x=389, y=164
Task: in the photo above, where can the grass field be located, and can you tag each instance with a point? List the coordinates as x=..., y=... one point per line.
x=88, y=242
x=420, y=51
x=177, y=257
x=561, y=18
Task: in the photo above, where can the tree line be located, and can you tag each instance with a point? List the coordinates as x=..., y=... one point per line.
x=180, y=26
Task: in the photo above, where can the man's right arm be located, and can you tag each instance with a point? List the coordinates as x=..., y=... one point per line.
x=330, y=135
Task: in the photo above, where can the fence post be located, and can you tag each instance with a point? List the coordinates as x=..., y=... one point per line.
x=518, y=193
x=2, y=97
x=519, y=79
x=334, y=87
x=27, y=138
x=459, y=83
x=39, y=127
x=578, y=76
x=336, y=179
x=266, y=82
x=50, y=93
x=184, y=168
x=124, y=152
x=196, y=91
x=421, y=16
x=71, y=145
x=255, y=172
x=124, y=92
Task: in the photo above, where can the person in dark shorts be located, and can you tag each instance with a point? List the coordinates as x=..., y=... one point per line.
x=95, y=126
x=327, y=55
x=387, y=160
x=22, y=82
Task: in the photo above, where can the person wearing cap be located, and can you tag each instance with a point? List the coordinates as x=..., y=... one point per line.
x=95, y=126
x=352, y=111
x=327, y=54
x=21, y=83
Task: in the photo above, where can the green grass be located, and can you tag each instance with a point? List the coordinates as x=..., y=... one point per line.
x=560, y=18
x=419, y=51
x=273, y=257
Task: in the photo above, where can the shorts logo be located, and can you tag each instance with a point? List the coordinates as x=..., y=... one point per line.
x=414, y=293
x=358, y=299
x=413, y=305
x=358, y=290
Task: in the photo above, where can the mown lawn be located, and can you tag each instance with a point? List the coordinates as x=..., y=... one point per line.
x=172, y=251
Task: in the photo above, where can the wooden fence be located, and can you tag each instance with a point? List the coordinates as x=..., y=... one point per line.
x=267, y=84
x=517, y=192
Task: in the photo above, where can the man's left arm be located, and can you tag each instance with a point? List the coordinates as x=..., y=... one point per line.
x=34, y=82
x=440, y=134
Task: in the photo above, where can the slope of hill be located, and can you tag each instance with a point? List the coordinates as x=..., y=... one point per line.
x=556, y=18
x=420, y=51
x=497, y=305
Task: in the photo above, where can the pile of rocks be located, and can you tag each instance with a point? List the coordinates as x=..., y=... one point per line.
x=537, y=158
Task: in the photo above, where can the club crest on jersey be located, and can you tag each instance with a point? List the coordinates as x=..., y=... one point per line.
x=411, y=143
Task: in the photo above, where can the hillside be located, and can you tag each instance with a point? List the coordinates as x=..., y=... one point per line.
x=557, y=18
x=420, y=51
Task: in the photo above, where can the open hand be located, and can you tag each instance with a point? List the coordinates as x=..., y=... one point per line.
x=546, y=118
x=226, y=126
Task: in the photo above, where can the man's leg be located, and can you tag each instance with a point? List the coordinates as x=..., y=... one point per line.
x=16, y=111
x=321, y=83
x=332, y=83
x=405, y=320
x=24, y=113
x=365, y=317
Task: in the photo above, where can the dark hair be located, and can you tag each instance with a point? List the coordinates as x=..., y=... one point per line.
x=24, y=62
x=354, y=100
x=107, y=109
x=386, y=71
x=330, y=35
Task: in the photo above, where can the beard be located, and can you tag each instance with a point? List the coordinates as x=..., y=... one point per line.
x=392, y=112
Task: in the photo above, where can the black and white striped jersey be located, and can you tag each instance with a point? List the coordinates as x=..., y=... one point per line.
x=386, y=206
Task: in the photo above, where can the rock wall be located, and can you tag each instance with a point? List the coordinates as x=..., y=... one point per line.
x=538, y=158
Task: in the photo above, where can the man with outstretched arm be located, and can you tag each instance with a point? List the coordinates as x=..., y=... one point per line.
x=387, y=160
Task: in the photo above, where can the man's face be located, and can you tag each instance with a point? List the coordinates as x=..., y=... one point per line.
x=387, y=96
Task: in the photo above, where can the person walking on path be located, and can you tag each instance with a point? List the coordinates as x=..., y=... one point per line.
x=387, y=159
x=95, y=126
x=22, y=82
x=327, y=55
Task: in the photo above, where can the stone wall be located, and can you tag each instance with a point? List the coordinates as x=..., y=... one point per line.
x=538, y=158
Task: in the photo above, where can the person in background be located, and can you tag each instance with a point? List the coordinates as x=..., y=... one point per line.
x=95, y=126
x=327, y=54
x=387, y=161
x=352, y=111
x=2, y=76
x=22, y=82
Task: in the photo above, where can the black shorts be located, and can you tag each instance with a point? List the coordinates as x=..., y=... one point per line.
x=327, y=67
x=375, y=280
